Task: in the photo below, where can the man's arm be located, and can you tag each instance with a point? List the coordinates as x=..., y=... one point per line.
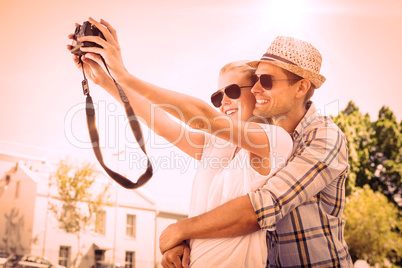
x=234, y=218
x=320, y=159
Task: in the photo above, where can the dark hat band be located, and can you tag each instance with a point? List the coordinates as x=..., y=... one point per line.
x=272, y=57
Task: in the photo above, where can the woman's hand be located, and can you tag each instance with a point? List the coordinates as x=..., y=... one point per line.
x=92, y=64
x=177, y=257
x=170, y=238
x=110, y=49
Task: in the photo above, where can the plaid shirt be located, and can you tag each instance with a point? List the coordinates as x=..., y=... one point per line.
x=301, y=205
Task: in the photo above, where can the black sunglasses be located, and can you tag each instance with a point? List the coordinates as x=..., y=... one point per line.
x=266, y=80
x=233, y=91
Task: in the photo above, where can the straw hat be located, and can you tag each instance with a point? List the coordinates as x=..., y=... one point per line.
x=296, y=56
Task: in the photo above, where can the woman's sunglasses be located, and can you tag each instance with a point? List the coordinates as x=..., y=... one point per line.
x=233, y=91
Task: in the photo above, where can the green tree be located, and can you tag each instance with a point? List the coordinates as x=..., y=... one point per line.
x=375, y=151
x=373, y=222
x=387, y=155
x=79, y=200
x=372, y=227
x=358, y=131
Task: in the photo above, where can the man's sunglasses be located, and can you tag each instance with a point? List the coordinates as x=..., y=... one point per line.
x=266, y=80
x=233, y=91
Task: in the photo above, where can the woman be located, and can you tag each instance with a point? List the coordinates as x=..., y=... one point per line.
x=237, y=150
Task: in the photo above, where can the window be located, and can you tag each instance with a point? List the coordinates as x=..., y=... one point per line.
x=130, y=228
x=17, y=189
x=100, y=222
x=64, y=255
x=99, y=255
x=130, y=259
x=8, y=179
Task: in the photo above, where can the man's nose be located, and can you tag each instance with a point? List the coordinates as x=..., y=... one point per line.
x=257, y=88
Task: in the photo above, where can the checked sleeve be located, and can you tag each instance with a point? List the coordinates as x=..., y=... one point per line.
x=318, y=165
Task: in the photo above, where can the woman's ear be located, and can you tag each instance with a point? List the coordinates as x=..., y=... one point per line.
x=304, y=86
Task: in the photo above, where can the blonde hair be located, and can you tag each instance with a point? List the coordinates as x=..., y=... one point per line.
x=239, y=66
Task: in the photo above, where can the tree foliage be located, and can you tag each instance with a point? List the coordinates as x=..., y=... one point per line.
x=359, y=135
x=375, y=150
x=374, y=187
x=78, y=199
x=387, y=155
x=78, y=196
x=372, y=227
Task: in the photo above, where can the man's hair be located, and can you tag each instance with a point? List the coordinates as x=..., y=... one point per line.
x=239, y=66
x=295, y=78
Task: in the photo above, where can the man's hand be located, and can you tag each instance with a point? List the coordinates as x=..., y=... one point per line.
x=170, y=237
x=234, y=218
x=177, y=257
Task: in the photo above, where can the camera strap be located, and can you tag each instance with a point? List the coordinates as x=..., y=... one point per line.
x=135, y=128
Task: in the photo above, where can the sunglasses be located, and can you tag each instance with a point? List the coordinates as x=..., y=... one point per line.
x=266, y=80
x=232, y=91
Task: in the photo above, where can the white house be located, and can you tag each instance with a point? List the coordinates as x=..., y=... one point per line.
x=126, y=233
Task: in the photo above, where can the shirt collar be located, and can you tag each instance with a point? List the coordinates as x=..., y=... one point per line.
x=306, y=120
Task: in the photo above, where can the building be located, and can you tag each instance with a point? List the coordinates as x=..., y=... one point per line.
x=126, y=232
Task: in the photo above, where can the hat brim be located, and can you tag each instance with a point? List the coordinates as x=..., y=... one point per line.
x=316, y=79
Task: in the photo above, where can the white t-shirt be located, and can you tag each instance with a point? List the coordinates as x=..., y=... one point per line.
x=223, y=176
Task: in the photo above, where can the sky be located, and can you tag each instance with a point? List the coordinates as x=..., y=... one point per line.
x=181, y=45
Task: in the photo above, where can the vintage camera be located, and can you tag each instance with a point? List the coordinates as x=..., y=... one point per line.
x=86, y=29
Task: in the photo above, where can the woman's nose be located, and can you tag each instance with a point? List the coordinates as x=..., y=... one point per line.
x=226, y=100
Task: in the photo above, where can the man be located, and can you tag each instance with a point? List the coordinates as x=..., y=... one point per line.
x=301, y=205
